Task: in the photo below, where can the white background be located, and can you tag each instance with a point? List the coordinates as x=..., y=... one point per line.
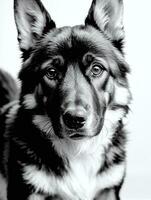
x=137, y=20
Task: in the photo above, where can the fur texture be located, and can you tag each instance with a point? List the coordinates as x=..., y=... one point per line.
x=64, y=136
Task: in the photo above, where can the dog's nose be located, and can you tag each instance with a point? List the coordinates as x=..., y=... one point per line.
x=74, y=119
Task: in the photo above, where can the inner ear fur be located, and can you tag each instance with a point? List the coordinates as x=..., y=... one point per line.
x=107, y=16
x=32, y=21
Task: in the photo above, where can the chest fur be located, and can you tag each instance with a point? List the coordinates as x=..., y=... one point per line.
x=78, y=183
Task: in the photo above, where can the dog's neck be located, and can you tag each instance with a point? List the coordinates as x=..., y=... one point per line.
x=84, y=156
x=76, y=149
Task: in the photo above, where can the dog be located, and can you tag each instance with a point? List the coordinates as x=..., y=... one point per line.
x=62, y=132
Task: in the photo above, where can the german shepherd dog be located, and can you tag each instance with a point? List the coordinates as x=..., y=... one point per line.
x=63, y=136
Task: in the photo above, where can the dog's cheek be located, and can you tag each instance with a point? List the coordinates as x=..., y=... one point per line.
x=109, y=91
x=52, y=105
x=122, y=95
x=95, y=117
x=46, y=91
x=42, y=95
x=49, y=106
x=29, y=101
x=102, y=89
x=100, y=98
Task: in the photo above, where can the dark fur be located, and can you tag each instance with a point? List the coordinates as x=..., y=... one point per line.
x=23, y=143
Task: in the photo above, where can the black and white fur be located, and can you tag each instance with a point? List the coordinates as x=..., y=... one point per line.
x=64, y=137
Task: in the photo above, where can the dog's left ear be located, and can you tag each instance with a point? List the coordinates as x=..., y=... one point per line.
x=32, y=21
x=107, y=16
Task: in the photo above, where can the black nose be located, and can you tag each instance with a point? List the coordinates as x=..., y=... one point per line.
x=74, y=119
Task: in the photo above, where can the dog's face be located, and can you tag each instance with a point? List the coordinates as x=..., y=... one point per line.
x=74, y=76
x=70, y=74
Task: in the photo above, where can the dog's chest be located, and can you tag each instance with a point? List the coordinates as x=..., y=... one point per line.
x=83, y=176
x=79, y=183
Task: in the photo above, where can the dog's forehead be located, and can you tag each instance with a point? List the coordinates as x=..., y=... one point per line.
x=76, y=41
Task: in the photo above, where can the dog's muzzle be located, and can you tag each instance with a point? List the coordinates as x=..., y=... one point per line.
x=75, y=119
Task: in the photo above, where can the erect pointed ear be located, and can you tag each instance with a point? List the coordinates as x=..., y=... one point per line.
x=107, y=16
x=32, y=20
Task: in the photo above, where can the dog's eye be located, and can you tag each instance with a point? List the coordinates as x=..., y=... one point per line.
x=51, y=73
x=97, y=69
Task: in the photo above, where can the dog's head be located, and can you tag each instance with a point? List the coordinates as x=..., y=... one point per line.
x=72, y=77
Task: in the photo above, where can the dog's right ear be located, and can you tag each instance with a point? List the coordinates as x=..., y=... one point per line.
x=32, y=21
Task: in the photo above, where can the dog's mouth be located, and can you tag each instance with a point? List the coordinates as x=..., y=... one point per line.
x=77, y=136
